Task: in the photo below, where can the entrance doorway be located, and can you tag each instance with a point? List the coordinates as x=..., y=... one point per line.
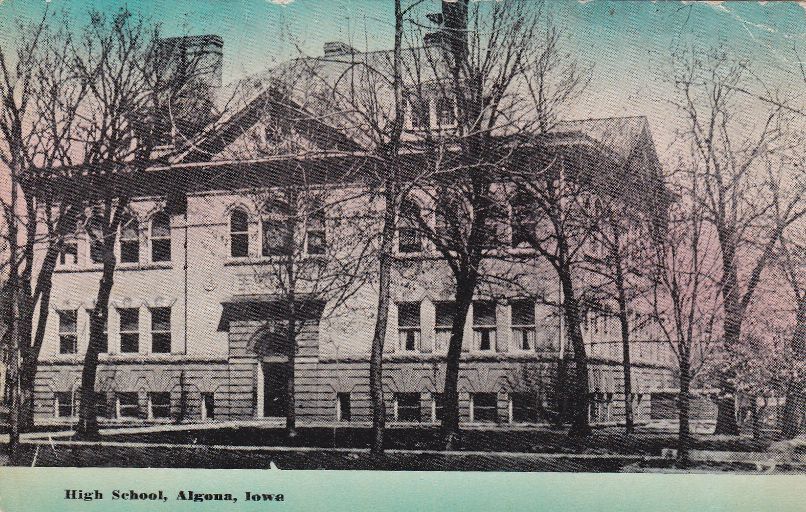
x=275, y=388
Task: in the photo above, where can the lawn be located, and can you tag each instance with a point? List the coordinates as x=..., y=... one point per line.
x=211, y=457
x=603, y=441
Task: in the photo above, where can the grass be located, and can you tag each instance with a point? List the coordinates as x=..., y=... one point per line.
x=209, y=457
x=603, y=441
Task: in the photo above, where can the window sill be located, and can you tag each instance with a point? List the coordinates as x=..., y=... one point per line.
x=122, y=267
x=271, y=260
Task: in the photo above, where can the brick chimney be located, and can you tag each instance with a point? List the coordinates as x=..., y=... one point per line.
x=452, y=31
x=194, y=65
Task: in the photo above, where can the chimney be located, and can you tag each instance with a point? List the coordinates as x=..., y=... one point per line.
x=337, y=48
x=452, y=31
x=191, y=69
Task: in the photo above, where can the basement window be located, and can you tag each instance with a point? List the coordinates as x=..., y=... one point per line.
x=343, y=407
x=127, y=405
x=407, y=407
x=64, y=406
x=159, y=405
x=523, y=408
x=484, y=407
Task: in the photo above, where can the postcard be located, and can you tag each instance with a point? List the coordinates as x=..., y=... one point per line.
x=402, y=255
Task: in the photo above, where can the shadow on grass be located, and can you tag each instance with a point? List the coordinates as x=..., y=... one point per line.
x=429, y=438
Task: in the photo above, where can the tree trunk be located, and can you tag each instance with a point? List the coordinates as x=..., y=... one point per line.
x=561, y=392
x=629, y=426
x=87, y=427
x=757, y=413
x=726, y=402
x=384, y=281
x=26, y=390
x=291, y=340
x=684, y=407
x=792, y=423
x=13, y=319
x=580, y=427
x=450, y=411
x=30, y=359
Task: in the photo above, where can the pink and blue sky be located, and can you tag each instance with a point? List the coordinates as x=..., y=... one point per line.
x=627, y=43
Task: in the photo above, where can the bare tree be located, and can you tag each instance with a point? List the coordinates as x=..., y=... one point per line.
x=122, y=63
x=683, y=297
x=483, y=53
x=315, y=265
x=792, y=263
x=620, y=263
x=39, y=108
x=734, y=190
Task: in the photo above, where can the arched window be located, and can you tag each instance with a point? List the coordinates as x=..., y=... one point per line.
x=277, y=230
x=129, y=239
x=522, y=221
x=95, y=233
x=239, y=234
x=161, y=237
x=408, y=233
x=68, y=255
x=315, y=228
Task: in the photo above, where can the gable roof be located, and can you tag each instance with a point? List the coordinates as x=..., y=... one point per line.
x=621, y=135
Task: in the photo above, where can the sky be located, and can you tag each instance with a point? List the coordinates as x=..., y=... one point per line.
x=627, y=43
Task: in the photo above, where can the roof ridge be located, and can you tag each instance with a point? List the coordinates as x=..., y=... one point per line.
x=608, y=118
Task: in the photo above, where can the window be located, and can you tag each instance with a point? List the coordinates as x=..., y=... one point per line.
x=127, y=405
x=238, y=234
x=484, y=407
x=523, y=408
x=408, y=324
x=448, y=211
x=68, y=339
x=64, y=406
x=129, y=240
x=491, y=232
x=446, y=114
x=445, y=311
x=599, y=408
x=159, y=405
x=277, y=231
x=523, y=324
x=420, y=113
x=105, y=340
x=69, y=253
x=484, y=325
x=342, y=406
x=207, y=406
x=437, y=406
x=101, y=408
x=407, y=407
x=315, y=230
x=161, y=330
x=408, y=235
x=161, y=237
x=523, y=223
x=129, y=330
x=95, y=233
